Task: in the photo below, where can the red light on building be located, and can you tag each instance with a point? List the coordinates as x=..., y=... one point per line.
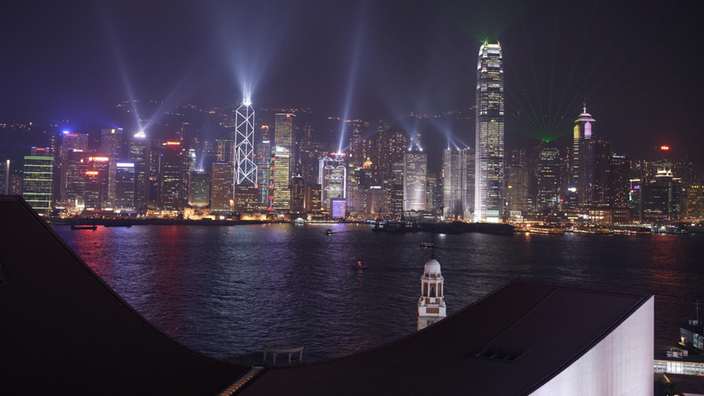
x=665, y=148
x=71, y=134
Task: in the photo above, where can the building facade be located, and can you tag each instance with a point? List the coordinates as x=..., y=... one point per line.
x=489, y=180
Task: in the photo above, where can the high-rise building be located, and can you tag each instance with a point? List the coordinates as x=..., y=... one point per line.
x=518, y=195
x=5, y=176
x=333, y=179
x=284, y=139
x=70, y=142
x=578, y=187
x=124, y=185
x=225, y=150
x=620, y=172
x=415, y=173
x=199, y=189
x=452, y=184
x=282, y=180
x=171, y=176
x=37, y=186
x=111, y=143
x=489, y=180
x=222, y=188
x=263, y=159
x=298, y=194
x=97, y=183
x=467, y=176
x=246, y=168
x=549, y=188
x=140, y=149
x=595, y=172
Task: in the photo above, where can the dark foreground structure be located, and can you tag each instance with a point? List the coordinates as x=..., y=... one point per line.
x=64, y=331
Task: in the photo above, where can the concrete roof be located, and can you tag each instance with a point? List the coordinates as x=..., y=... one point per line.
x=533, y=331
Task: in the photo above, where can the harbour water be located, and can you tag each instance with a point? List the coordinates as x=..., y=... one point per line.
x=225, y=291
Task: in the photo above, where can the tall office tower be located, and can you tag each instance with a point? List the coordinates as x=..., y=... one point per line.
x=312, y=198
x=283, y=137
x=263, y=158
x=549, y=188
x=124, y=185
x=246, y=168
x=578, y=187
x=38, y=181
x=298, y=194
x=140, y=148
x=620, y=170
x=396, y=190
x=452, y=183
x=518, y=189
x=5, y=176
x=595, y=172
x=467, y=175
x=333, y=180
x=77, y=164
x=70, y=142
x=284, y=161
x=281, y=174
x=659, y=198
x=434, y=193
x=111, y=143
x=198, y=189
x=225, y=150
x=415, y=174
x=96, y=193
x=171, y=177
x=357, y=157
x=155, y=159
x=221, y=188
x=694, y=203
x=489, y=179
x=208, y=155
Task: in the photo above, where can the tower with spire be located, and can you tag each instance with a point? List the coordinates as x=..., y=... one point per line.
x=431, y=304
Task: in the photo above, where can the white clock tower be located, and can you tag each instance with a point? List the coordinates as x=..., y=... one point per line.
x=431, y=305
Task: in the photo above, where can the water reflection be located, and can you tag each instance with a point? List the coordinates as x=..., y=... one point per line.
x=227, y=290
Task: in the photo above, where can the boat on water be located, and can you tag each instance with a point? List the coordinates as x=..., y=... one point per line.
x=359, y=266
x=328, y=232
x=299, y=221
x=427, y=244
x=84, y=227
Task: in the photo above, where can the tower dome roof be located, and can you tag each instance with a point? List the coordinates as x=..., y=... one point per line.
x=432, y=267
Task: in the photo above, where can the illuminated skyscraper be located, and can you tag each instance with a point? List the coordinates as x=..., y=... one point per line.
x=415, y=173
x=111, y=143
x=124, y=185
x=333, y=179
x=489, y=181
x=221, y=188
x=577, y=188
x=140, y=148
x=548, y=197
x=452, y=186
x=283, y=161
x=71, y=141
x=171, y=176
x=38, y=181
x=246, y=169
x=199, y=189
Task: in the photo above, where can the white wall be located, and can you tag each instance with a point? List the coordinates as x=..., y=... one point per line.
x=621, y=364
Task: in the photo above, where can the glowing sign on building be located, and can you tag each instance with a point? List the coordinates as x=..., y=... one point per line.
x=665, y=148
x=99, y=159
x=172, y=144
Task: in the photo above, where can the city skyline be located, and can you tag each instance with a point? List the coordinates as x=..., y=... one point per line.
x=368, y=74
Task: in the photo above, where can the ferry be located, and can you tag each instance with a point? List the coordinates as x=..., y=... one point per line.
x=328, y=232
x=426, y=244
x=84, y=227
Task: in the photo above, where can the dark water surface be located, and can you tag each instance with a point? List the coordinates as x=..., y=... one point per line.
x=225, y=291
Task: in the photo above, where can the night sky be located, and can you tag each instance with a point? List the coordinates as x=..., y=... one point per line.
x=635, y=63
